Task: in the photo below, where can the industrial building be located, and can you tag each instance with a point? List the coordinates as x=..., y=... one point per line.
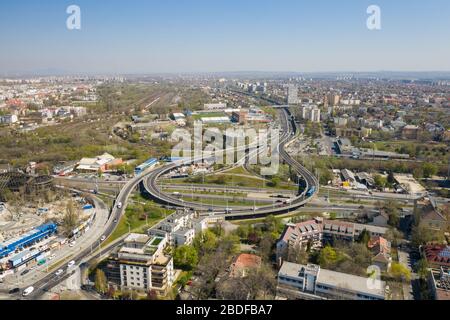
x=27, y=239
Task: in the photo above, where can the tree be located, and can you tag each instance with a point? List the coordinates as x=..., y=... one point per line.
x=185, y=257
x=70, y=219
x=422, y=268
x=400, y=272
x=364, y=237
x=205, y=242
x=429, y=170
x=422, y=235
x=392, y=209
x=101, y=284
x=327, y=257
x=380, y=181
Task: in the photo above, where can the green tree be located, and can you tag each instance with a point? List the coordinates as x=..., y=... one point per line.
x=327, y=257
x=400, y=272
x=101, y=284
x=185, y=257
x=380, y=181
x=429, y=170
x=70, y=219
x=364, y=237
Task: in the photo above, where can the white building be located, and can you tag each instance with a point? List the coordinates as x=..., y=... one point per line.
x=9, y=119
x=311, y=113
x=143, y=264
x=215, y=106
x=312, y=282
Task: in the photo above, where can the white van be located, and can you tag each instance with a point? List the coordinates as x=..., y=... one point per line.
x=28, y=291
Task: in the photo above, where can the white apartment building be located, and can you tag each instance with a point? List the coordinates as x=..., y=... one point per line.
x=143, y=264
x=311, y=113
x=310, y=282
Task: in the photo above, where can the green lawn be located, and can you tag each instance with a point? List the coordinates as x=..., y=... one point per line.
x=232, y=181
x=231, y=203
x=208, y=115
x=134, y=218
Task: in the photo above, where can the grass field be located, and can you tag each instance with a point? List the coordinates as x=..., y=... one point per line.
x=231, y=203
x=134, y=218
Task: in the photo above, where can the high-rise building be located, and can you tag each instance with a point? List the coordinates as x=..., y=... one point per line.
x=333, y=99
x=293, y=94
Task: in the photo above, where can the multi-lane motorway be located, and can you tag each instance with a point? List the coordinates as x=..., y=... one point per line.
x=289, y=130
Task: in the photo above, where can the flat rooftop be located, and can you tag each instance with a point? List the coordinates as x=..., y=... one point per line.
x=350, y=282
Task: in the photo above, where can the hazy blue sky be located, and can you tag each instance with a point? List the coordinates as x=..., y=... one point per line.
x=140, y=36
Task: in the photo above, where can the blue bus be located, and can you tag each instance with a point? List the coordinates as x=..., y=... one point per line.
x=311, y=191
x=147, y=164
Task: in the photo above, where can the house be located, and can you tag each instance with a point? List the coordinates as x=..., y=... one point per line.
x=381, y=219
x=381, y=248
x=411, y=132
x=244, y=264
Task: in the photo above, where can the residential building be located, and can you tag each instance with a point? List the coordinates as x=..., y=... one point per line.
x=244, y=264
x=310, y=282
x=143, y=264
x=317, y=232
x=381, y=248
x=411, y=132
x=177, y=228
x=437, y=255
x=333, y=99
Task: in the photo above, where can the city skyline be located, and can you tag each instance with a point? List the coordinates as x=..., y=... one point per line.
x=232, y=36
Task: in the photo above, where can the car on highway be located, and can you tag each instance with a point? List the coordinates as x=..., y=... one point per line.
x=59, y=272
x=13, y=291
x=28, y=291
x=119, y=205
x=103, y=238
x=71, y=264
